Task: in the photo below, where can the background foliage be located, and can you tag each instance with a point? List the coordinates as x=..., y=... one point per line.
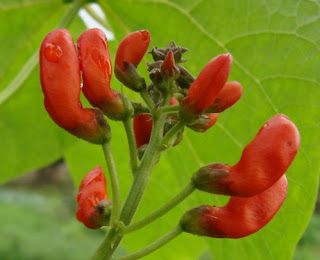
x=275, y=46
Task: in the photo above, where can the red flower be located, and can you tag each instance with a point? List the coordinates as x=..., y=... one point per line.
x=93, y=203
x=132, y=48
x=60, y=81
x=96, y=71
x=263, y=161
x=240, y=217
x=228, y=96
x=204, y=90
x=129, y=54
x=142, y=126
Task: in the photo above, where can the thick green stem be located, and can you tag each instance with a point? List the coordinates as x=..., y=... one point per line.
x=183, y=194
x=154, y=246
x=141, y=177
x=140, y=180
x=105, y=247
x=132, y=144
x=138, y=186
x=144, y=94
x=116, y=201
x=166, y=142
x=139, y=108
x=167, y=109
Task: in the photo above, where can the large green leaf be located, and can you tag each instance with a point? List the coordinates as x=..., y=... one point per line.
x=276, y=58
x=29, y=138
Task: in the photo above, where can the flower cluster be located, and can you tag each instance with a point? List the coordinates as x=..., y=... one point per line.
x=174, y=99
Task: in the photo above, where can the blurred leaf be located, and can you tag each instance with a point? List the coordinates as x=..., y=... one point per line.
x=29, y=138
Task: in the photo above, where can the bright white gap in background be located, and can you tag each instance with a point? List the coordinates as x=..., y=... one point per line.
x=92, y=23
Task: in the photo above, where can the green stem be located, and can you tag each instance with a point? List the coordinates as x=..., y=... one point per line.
x=167, y=109
x=141, y=177
x=166, y=142
x=105, y=247
x=139, y=108
x=173, y=114
x=116, y=201
x=183, y=194
x=154, y=246
x=144, y=94
x=31, y=63
x=132, y=144
x=139, y=183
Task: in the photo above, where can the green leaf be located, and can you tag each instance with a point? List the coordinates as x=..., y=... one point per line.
x=29, y=138
x=275, y=49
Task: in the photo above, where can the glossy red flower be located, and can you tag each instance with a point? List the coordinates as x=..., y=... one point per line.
x=227, y=97
x=60, y=81
x=132, y=48
x=129, y=54
x=240, y=217
x=96, y=68
x=263, y=161
x=93, y=203
x=204, y=90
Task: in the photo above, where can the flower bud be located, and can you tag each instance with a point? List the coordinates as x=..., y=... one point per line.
x=60, y=81
x=155, y=76
x=129, y=54
x=94, y=207
x=142, y=126
x=154, y=93
x=169, y=71
x=185, y=79
x=96, y=68
x=157, y=54
x=228, y=96
x=240, y=217
x=154, y=65
x=263, y=161
x=173, y=102
x=204, y=90
x=204, y=122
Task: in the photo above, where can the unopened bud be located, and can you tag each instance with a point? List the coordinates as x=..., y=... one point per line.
x=157, y=54
x=185, y=78
x=169, y=71
x=154, y=65
x=155, y=76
